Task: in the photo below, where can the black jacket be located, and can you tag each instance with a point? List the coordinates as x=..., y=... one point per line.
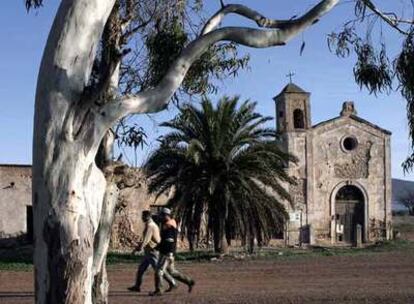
x=169, y=235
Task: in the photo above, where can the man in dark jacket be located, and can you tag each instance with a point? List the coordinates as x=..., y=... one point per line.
x=167, y=249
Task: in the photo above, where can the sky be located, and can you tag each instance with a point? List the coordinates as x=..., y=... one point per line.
x=328, y=78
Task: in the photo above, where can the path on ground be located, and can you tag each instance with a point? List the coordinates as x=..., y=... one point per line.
x=386, y=277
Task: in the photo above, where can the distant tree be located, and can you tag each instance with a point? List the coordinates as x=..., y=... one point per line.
x=407, y=200
x=222, y=161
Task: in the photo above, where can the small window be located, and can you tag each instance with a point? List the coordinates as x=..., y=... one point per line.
x=280, y=114
x=349, y=143
x=298, y=119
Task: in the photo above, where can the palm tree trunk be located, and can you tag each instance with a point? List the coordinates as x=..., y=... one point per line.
x=229, y=234
x=191, y=237
x=219, y=235
x=251, y=243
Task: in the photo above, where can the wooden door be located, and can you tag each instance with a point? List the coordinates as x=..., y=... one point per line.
x=348, y=215
x=349, y=211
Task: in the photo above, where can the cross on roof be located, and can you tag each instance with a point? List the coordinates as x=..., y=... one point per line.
x=290, y=75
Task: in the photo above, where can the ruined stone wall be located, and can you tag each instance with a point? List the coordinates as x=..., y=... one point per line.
x=128, y=226
x=15, y=196
x=367, y=167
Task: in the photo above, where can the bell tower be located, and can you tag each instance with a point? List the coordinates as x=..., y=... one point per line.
x=292, y=109
x=293, y=120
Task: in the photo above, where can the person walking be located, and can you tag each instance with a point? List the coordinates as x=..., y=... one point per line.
x=151, y=239
x=167, y=248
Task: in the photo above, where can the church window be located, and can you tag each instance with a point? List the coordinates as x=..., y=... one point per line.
x=280, y=114
x=298, y=119
x=349, y=143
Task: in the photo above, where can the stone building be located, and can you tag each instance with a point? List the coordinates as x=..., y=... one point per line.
x=343, y=174
x=16, y=217
x=128, y=226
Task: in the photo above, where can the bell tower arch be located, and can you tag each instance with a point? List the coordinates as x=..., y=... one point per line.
x=292, y=109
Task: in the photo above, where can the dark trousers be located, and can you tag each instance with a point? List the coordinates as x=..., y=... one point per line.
x=150, y=259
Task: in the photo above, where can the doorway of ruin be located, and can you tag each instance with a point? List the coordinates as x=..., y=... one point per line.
x=349, y=212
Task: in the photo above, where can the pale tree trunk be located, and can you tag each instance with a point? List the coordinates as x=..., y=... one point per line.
x=110, y=62
x=72, y=220
x=103, y=234
x=102, y=238
x=68, y=188
x=100, y=289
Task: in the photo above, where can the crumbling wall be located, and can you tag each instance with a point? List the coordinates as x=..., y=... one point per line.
x=128, y=227
x=15, y=200
x=366, y=166
x=16, y=197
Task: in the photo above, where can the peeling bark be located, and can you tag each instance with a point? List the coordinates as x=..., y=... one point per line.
x=101, y=246
x=68, y=188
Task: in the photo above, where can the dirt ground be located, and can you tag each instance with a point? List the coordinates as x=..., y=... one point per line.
x=386, y=277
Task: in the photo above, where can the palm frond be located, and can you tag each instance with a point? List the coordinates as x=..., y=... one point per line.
x=222, y=162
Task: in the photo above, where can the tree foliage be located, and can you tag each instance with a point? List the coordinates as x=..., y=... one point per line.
x=147, y=36
x=157, y=31
x=165, y=45
x=223, y=162
x=33, y=4
x=155, y=35
x=375, y=69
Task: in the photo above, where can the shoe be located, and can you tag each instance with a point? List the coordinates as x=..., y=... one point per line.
x=156, y=293
x=134, y=288
x=190, y=286
x=171, y=288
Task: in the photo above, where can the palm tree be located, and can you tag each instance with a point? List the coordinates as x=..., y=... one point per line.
x=224, y=163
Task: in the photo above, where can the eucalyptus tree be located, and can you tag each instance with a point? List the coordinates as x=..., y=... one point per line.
x=378, y=69
x=225, y=163
x=85, y=88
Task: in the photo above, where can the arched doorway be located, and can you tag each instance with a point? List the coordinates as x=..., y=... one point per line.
x=349, y=212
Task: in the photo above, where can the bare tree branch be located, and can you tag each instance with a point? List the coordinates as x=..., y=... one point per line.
x=392, y=21
x=130, y=9
x=260, y=20
x=127, y=34
x=156, y=99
